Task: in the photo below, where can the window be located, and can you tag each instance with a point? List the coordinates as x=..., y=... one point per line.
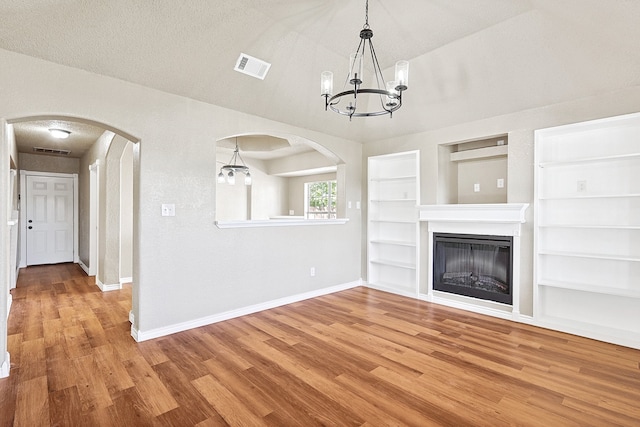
x=320, y=199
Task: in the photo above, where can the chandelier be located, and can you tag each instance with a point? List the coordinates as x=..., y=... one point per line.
x=390, y=93
x=234, y=168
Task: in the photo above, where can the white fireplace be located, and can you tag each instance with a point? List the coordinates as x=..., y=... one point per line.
x=503, y=219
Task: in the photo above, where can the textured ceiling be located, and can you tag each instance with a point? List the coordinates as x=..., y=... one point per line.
x=35, y=133
x=470, y=59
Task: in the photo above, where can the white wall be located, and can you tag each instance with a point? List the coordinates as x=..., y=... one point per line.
x=44, y=163
x=97, y=152
x=185, y=268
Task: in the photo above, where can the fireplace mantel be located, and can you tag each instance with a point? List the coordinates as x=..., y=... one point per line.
x=498, y=212
x=500, y=219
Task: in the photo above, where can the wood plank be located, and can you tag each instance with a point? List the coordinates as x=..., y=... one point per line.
x=226, y=403
x=32, y=403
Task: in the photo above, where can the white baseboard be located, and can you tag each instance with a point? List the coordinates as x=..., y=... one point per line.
x=140, y=336
x=4, y=368
x=9, y=302
x=84, y=267
x=107, y=288
x=15, y=279
x=124, y=280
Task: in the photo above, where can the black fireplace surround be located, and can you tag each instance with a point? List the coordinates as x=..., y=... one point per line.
x=474, y=265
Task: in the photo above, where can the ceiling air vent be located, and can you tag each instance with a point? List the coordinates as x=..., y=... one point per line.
x=51, y=151
x=251, y=66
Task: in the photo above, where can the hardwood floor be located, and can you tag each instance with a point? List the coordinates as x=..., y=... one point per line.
x=358, y=358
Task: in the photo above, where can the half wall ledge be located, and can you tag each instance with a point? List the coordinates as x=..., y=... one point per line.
x=279, y=223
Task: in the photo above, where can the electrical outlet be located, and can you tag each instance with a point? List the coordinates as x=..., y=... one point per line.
x=312, y=271
x=476, y=188
x=582, y=186
x=500, y=182
x=168, y=209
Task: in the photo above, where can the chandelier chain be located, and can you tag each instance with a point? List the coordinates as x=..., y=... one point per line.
x=366, y=15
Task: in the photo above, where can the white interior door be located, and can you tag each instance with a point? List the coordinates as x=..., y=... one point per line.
x=50, y=221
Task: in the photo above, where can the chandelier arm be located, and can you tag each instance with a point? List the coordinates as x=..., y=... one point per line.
x=335, y=99
x=377, y=71
x=354, y=64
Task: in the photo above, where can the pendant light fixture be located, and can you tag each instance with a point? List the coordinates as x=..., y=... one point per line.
x=234, y=168
x=389, y=93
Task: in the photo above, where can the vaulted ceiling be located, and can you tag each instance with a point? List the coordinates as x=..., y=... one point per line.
x=469, y=59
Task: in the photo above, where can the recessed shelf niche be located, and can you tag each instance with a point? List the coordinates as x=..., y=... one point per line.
x=473, y=171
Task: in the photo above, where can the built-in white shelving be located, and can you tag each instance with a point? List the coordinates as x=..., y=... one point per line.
x=392, y=226
x=587, y=243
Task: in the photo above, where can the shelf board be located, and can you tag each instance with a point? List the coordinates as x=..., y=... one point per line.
x=399, y=264
x=388, y=285
x=394, y=242
x=589, y=160
x=479, y=153
x=591, y=256
x=607, y=290
x=591, y=196
x=592, y=227
x=394, y=200
x=395, y=178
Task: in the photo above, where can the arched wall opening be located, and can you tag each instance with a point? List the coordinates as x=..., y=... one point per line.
x=280, y=166
x=107, y=170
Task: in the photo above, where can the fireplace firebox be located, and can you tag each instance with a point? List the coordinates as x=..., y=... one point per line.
x=477, y=266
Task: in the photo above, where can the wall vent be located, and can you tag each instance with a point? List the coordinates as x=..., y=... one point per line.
x=51, y=151
x=251, y=66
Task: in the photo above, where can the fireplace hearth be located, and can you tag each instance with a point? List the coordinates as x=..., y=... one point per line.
x=478, y=266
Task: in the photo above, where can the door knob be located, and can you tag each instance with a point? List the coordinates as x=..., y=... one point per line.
x=30, y=221
x=30, y=227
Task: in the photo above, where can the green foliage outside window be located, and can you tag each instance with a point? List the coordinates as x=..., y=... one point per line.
x=321, y=201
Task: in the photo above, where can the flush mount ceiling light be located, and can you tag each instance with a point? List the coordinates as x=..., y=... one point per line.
x=59, y=133
x=390, y=93
x=233, y=168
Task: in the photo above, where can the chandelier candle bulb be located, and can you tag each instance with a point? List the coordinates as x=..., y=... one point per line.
x=326, y=83
x=402, y=75
x=355, y=68
x=392, y=101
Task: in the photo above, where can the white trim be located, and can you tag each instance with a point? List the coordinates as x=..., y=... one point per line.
x=94, y=217
x=280, y=222
x=4, y=368
x=140, y=336
x=473, y=306
x=84, y=267
x=596, y=332
x=9, y=302
x=107, y=288
x=497, y=212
